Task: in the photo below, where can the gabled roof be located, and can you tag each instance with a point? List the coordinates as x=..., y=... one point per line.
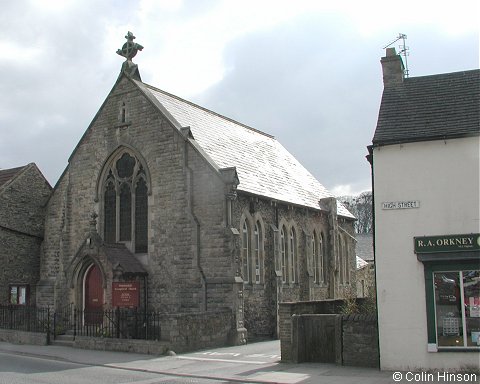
x=263, y=165
x=120, y=257
x=430, y=107
x=7, y=175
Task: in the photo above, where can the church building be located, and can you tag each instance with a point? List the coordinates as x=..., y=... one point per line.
x=191, y=212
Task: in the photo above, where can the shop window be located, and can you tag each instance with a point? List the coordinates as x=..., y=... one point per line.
x=18, y=294
x=457, y=308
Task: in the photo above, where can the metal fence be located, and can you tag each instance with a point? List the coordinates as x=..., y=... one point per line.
x=115, y=323
x=22, y=318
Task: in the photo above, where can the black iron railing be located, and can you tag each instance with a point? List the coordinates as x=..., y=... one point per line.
x=23, y=318
x=114, y=323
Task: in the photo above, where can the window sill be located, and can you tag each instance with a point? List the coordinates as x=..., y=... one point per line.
x=458, y=349
x=123, y=125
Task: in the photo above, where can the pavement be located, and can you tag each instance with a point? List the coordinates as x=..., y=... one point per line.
x=253, y=363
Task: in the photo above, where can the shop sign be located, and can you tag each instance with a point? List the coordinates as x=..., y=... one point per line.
x=401, y=204
x=125, y=294
x=447, y=243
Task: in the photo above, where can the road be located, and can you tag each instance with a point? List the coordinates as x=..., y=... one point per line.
x=253, y=363
x=20, y=369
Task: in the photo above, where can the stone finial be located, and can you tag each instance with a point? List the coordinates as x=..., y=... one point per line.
x=129, y=49
x=93, y=222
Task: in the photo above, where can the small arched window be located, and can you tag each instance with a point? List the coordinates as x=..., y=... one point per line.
x=324, y=257
x=317, y=251
x=259, y=261
x=284, y=261
x=345, y=253
x=246, y=252
x=125, y=203
x=293, y=256
x=123, y=113
x=341, y=259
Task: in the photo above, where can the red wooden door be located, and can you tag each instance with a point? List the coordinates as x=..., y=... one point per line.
x=93, y=296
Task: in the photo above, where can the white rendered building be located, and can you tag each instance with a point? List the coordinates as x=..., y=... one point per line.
x=425, y=167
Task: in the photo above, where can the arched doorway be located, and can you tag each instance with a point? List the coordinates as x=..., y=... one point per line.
x=93, y=295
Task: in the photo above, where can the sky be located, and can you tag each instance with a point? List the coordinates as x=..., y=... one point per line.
x=306, y=72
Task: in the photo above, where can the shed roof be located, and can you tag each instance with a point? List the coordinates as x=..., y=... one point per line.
x=430, y=107
x=263, y=165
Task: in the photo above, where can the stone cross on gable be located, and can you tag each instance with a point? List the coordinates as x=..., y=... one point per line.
x=129, y=49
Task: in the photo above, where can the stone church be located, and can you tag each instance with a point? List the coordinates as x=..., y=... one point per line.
x=194, y=212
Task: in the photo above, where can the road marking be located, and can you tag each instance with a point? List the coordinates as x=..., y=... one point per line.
x=222, y=360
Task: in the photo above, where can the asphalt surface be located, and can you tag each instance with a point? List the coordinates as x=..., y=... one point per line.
x=253, y=363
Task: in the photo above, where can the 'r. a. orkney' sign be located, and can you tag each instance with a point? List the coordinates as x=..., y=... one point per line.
x=447, y=243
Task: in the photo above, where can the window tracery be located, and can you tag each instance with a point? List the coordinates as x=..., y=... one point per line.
x=125, y=203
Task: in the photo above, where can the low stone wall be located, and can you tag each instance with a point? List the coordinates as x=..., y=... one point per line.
x=287, y=310
x=360, y=340
x=148, y=347
x=188, y=332
x=179, y=333
x=313, y=332
x=21, y=337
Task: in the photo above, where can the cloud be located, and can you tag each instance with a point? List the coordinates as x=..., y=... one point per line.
x=307, y=72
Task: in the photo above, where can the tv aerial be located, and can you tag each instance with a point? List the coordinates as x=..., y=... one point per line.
x=404, y=50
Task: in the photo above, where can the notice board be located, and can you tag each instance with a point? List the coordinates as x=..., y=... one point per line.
x=125, y=294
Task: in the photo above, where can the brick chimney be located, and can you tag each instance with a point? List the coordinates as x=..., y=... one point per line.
x=393, y=69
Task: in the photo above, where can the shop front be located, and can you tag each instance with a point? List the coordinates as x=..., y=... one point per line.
x=452, y=289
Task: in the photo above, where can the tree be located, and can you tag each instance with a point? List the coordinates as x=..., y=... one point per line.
x=361, y=207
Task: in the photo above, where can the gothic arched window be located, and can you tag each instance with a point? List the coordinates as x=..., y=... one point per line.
x=259, y=262
x=293, y=256
x=317, y=251
x=284, y=261
x=246, y=252
x=324, y=257
x=125, y=203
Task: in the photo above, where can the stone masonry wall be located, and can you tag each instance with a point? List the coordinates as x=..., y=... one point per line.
x=187, y=245
x=21, y=230
x=260, y=300
x=348, y=339
x=360, y=341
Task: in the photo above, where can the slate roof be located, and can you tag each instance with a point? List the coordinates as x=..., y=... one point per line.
x=263, y=165
x=364, y=247
x=8, y=174
x=119, y=255
x=361, y=263
x=430, y=107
